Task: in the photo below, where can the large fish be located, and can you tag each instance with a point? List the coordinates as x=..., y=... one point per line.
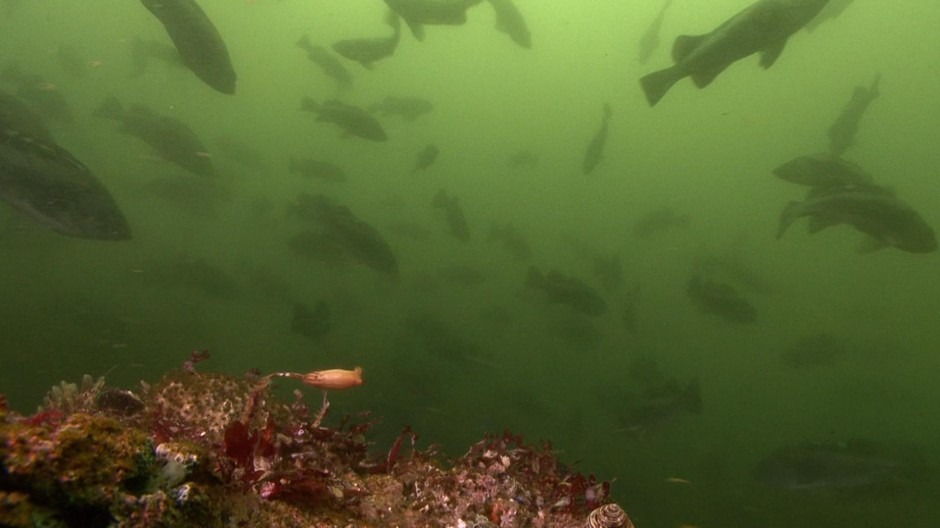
x=453, y=213
x=340, y=229
x=172, y=139
x=872, y=210
x=842, y=132
x=418, y=13
x=366, y=51
x=567, y=290
x=763, y=27
x=720, y=299
x=198, y=41
x=48, y=184
x=649, y=42
x=854, y=466
x=352, y=119
x=327, y=62
x=595, y=150
x=823, y=171
x=408, y=108
x=510, y=21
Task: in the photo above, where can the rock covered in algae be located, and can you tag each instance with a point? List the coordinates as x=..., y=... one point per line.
x=208, y=450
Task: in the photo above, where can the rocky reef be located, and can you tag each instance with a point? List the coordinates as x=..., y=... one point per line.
x=208, y=450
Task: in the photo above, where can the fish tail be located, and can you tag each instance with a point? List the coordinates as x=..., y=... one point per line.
x=789, y=214
x=110, y=109
x=656, y=84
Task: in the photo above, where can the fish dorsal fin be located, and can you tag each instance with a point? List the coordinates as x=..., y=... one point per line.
x=770, y=54
x=685, y=45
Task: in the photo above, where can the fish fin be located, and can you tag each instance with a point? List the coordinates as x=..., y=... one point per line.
x=304, y=43
x=308, y=104
x=870, y=244
x=607, y=111
x=417, y=29
x=110, y=109
x=873, y=91
x=770, y=55
x=656, y=84
x=684, y=45
x=533, y=278
x=790, y=213
x=366, y=65
x=704, y=78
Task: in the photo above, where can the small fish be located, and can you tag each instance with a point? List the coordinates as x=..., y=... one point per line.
x=595, y=149
x=659, y=220
x=426, y=158
x=456, y=220
x=407, y=107
x=720, y=299
x=567, y=290
x=327, y=62
x=649, y=42
x=843, y=130
x=318, y=169
x=367, y=51
x=352, y=119
x=418, y=13
x=510, y=21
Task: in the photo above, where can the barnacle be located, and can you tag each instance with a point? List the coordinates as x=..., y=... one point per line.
x=608, y=516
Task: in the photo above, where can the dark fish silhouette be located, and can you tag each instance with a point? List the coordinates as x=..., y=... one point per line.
x=425, y=158
x=318, y=169
x=721, y=300
x=511, y=240
x=842, y=132
x=42, y=95
x=567, y=290
x=854, y=466
x=595, y=149
x=649, y=42
x=408, y=108
x=352, y=119
x=366, y=51
x=418, y=13
x=659, y=220
x=46, y=183
x=823, y=171
x=763, y=27
x=456, y=220
x=16, y=114
x=198, y=41
x=875, y=211
x=172, y=139
x=338, y=225
x=510, y=21
x=327, y=62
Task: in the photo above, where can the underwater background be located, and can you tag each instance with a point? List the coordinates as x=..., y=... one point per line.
x=458, y=343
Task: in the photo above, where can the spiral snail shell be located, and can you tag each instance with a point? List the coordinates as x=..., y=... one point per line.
x=608, y=516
